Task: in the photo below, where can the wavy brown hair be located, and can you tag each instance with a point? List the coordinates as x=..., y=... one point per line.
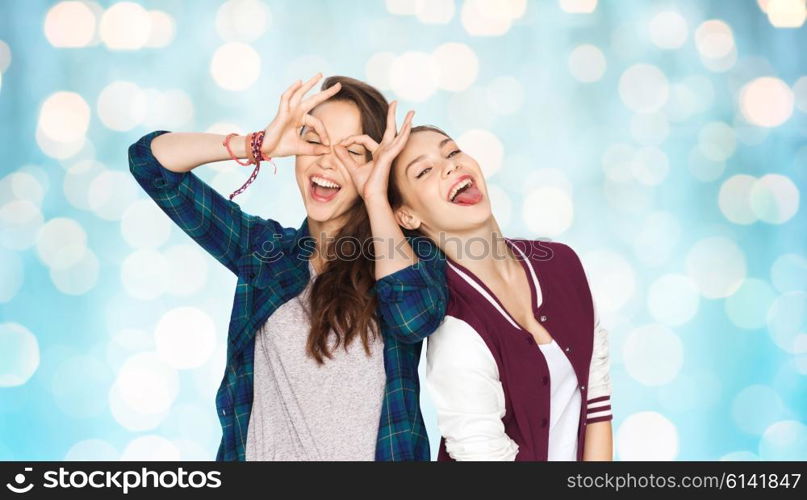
x=341, y=298
x=394, y=191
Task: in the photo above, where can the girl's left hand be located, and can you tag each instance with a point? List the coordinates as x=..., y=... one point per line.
x=372, y=178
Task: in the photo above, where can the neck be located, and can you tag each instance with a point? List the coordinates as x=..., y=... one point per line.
x=482, y=250
x=322, y=232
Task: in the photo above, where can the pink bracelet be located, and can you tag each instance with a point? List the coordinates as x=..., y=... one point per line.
x=256, y=140
x=226, y=144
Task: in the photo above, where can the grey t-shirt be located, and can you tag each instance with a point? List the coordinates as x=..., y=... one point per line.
x=305, y=411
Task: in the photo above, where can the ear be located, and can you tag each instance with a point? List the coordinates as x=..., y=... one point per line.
x=406, y=219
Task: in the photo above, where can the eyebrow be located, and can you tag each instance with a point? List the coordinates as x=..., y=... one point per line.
x=442, y=143
x=306, y=129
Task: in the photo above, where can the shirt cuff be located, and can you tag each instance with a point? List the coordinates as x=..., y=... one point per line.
x=392, y=288
x=598, y=409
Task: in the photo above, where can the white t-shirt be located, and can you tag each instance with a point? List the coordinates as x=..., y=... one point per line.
x=564, y=404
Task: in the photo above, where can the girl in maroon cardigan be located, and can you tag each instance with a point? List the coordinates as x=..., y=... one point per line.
x=519, y=368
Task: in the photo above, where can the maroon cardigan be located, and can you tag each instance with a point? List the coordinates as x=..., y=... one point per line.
x=566, y=312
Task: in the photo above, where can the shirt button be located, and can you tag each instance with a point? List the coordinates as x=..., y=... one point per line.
x=543, y=318
x=568, y=348
x=582, y=388
x=544, y=421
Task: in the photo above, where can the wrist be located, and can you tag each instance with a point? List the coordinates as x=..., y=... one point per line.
x=268, y=146
x=247, y=152
x=237, y=147
x=377, y=201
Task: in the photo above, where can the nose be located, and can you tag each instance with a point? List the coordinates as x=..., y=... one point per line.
x=450, y=166
x=326, y=161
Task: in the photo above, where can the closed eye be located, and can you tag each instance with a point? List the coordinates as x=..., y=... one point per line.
x=457, y=151
x=349, y=151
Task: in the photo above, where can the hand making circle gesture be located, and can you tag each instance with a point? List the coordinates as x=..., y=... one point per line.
x=282, y=136
x=372, y=178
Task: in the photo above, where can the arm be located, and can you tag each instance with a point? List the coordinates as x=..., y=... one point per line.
x=412, y=301
x=410, y=282
x=599, y=440
x=162, y=161
x=463, y=381
x=372, y=180
x=217, y=224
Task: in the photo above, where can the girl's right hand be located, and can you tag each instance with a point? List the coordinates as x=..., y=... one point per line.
x=282, y=136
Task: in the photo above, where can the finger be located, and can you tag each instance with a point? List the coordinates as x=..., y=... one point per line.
x=344, y=156
x=298, y=95
x=314, y=149
x=286, y=96
x=390, y=132
x=403, y=135
x=400, y=141
x=364, y=139
x=408, y=118
x=290, y=89
x=315, y=99
x=319, y=127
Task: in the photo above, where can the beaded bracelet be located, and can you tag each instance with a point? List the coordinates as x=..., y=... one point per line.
x=256, y=156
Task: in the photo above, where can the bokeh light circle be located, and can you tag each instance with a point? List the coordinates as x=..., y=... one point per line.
x=185, y=337
x=653, y=355
x=717, y=266
x=19, y=354
x=647, y=436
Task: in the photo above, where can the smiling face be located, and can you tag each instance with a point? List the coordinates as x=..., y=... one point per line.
x=324, y=182
x=441, y=187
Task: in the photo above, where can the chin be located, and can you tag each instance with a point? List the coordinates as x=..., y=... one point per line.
x=469, y=217
x=320, y=214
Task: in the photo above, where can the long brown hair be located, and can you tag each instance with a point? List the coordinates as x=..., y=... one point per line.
x=394, y=191
x=340, y=298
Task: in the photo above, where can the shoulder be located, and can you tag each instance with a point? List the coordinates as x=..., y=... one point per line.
x=457, y=343
x=454, y=329
x=429, y=255
x=267, y=235
x=463, y=303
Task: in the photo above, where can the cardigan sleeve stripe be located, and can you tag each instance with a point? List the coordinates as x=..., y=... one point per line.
x=598, y=400
x=599, y=417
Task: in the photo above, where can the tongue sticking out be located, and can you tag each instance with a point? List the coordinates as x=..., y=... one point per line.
x=468, y=196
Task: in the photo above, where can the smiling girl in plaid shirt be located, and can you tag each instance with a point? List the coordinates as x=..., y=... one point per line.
x=379, y=306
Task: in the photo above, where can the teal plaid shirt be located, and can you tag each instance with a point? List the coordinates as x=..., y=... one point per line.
x=271, y=263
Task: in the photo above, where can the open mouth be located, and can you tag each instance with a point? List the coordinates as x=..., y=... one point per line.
x=323, y=189
x=464, y=192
